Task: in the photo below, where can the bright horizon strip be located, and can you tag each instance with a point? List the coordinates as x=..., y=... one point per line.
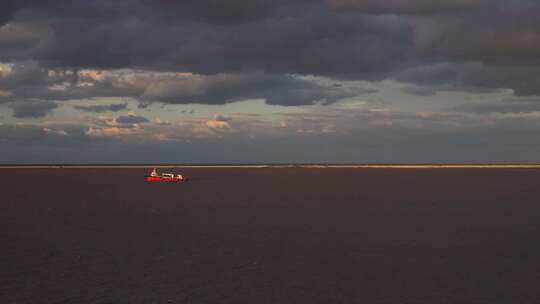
x=366, y=166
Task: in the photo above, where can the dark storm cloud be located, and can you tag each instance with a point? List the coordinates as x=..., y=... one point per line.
x=314, y=41
x=502, y=33
x=353, y=39
x=97, y=33
x=32, y=109
x=319, y=43
x=6, y=10
x=217, y=11
x=102, y=108
x=86, y=43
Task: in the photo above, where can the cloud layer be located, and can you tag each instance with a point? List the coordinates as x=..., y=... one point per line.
x=261, y=42
x=32, y=109
x=399, y=72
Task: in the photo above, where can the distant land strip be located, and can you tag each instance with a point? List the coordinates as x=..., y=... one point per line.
x=308, y=166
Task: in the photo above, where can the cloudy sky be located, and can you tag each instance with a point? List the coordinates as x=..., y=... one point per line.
x=269, y=81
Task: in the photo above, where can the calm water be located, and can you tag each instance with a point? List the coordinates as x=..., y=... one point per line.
x=270, y=236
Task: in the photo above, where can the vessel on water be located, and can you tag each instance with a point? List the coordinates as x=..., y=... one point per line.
x=165, y=177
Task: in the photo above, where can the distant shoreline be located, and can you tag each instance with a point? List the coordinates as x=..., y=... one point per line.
x=308, y=166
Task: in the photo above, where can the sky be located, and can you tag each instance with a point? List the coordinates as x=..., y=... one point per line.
x=260, y=81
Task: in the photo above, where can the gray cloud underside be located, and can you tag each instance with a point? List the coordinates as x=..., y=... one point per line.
x=524, y=80
x=32, y=109
x=102, y=108
x=414, y=7
x=131, y=119
x=504, y=107
x=220, y=89
x=463, y=43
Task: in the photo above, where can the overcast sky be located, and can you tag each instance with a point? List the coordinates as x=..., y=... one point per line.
x=260, y=81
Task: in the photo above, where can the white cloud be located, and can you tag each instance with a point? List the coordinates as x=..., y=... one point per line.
x=58, y=132
x=6, y=93
x=113, y=131
x=217, y=125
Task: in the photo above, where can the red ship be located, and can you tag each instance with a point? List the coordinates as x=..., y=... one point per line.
x=165, y=177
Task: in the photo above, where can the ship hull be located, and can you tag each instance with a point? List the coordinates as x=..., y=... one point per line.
x=164, y=179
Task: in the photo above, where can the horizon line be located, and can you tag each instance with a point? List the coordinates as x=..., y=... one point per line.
x=261, y=166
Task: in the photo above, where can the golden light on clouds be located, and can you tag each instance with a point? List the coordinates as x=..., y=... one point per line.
x=6, y=93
